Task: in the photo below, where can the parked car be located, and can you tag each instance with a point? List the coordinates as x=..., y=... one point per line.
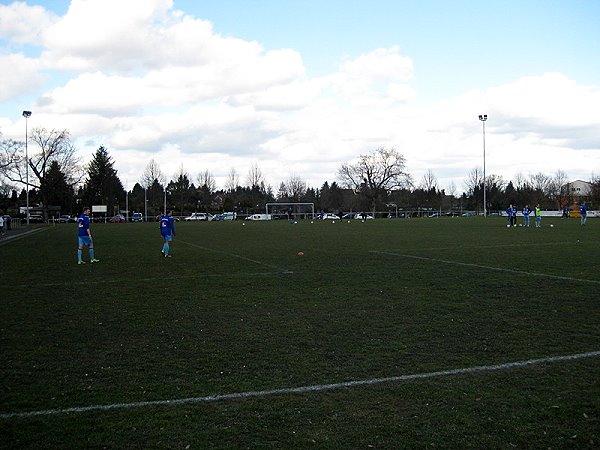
x=137, y=217
x=7, y=222
x=357, y=216
x=224, y=216
x=33, y=218
x=259, y=217
x=65, y=218
x=329, y=216
x=118, y=218
x=197, y=216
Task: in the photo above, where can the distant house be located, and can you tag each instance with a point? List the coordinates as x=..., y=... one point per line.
x=578, y=188
x=576, y=192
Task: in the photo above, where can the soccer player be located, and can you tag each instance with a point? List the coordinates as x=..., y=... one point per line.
x=85, y=236
x=167, y=230
x=583, y=212
x=512, y=215
x=526, y=213
x=538, y=216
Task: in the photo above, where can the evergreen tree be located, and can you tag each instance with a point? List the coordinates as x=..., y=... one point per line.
x=58, y=191
x=103, y=186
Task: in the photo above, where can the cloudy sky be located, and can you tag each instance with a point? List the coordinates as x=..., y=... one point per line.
x=300, y=86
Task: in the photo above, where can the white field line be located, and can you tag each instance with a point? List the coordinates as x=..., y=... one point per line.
x=298, y=390
x=244, y=258
x=479, y=247
x=6, y=239
x=481, y=266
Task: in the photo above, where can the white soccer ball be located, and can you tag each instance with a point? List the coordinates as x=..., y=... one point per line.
x=508, y=226
x=551, y=225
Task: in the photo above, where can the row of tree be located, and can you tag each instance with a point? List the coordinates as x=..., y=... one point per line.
x=58, y=182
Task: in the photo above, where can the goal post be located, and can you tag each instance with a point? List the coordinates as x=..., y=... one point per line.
x=299, y=210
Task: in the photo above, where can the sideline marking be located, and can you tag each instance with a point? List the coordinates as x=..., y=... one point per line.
x=236, y=256
x=481, y=266
x=298, y=390
x=6, y=239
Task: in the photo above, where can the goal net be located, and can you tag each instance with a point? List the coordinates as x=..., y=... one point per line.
x=290, y=210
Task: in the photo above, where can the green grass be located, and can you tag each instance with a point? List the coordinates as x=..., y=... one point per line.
x=236, y=310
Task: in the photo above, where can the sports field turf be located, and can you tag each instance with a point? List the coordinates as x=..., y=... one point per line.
x=206, y=349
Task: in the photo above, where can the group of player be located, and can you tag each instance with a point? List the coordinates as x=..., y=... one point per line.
x=511, y=211
x=167, y=231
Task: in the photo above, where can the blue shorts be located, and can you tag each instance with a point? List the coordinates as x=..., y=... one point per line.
x=168, y=238
x=85, y=240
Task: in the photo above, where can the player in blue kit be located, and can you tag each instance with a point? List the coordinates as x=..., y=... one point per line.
x=526, y=211
x=583, y=212
x=85, y=236
x=167, y=230
x=511, y=212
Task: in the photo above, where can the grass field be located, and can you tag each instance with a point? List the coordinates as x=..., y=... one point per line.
x=86, y=350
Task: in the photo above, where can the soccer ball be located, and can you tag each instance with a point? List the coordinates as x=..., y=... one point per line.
x=300, y=253
x=508, y=226
x=551, y=225
x=333, y=221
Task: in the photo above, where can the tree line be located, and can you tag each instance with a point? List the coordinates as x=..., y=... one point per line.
x=377, y=181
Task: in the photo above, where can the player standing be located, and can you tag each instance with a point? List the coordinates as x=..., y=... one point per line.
x=538, y=216
x=583, y=212
x=526, y=211
x=167, y=230
x=85, y=236
x=512, y=215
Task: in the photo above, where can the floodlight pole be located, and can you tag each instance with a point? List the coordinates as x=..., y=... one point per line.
x=483, y=118
x=27, y=115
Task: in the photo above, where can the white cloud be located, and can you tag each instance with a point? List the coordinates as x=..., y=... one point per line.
x=23, y=24
x=152, y=82
x=18, y=74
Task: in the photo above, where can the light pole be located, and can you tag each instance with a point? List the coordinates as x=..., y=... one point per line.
x=27, y=115
x=483, y=118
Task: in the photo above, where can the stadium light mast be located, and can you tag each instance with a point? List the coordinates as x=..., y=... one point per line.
x=27, y=115
x=483, y=118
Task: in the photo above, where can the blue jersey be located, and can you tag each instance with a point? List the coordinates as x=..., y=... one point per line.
x=511, y=211
x=526, y=212
x=583, y=210
x=83, y=224
x=167, y=226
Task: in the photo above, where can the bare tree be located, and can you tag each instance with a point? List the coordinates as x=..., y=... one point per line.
x=255, y=176
x=295, y=187
x=151, y=174
x=207, y=179
x=429, y=181
x=10, y=153
x=474, y=181
x=495, y=181
x=375, y=174
x=452, y=189
x=52, y=146
x=520, y=181
x=233, y=180
x=541, y=182
x=559, y=189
